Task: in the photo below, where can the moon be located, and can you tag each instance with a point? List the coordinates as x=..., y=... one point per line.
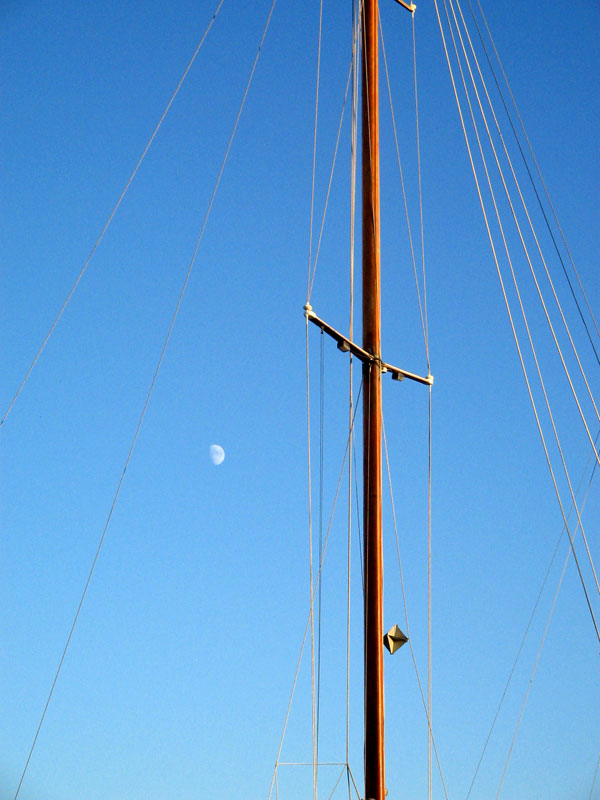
x=217, y=454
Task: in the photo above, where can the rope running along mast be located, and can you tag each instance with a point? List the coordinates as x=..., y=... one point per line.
x=373, y=367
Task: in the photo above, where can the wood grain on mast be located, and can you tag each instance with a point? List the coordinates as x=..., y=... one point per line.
x=371, y=301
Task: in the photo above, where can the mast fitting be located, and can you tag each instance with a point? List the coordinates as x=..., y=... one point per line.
x=408, y=6
x=346, y=345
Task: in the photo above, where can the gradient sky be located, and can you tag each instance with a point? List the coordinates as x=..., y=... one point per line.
x=178, y=674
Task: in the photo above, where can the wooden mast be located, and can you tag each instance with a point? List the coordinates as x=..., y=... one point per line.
x=371, y=300
x=373, y=366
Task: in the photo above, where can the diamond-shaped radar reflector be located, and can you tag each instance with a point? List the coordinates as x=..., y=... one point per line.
x=394, y=639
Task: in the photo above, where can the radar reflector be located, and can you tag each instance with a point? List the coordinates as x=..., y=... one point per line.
x=394, y=639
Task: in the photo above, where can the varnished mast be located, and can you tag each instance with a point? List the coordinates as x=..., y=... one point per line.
x=373, y=367
x=371, y=299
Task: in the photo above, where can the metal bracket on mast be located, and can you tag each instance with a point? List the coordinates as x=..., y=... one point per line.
x=348, y=346
x=408, y=6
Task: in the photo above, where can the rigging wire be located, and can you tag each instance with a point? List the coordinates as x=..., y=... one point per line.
x=412, y=652
x=344, y=770
x=321, y=481
x=536, y=284
x=594, y=778
x=556, y=299
x=424, y=325
x=310, y=566
x=529, y=262
x=429, y=431
x=147, y=400
x=530, y=620
x=358, y=525
x=312, y=596
x=522, y=365
x=310, y=537
x=535, y=666
x=518, y=293
x=314, y=162
x=348, y=576
x=506, y=301
x=422, y=310
x=328, y=193
x=352, y=456
x=530, y=682
x=111, y=216
x=420, y=190
x=348, y=569
x=558, y=225
x=429, y=607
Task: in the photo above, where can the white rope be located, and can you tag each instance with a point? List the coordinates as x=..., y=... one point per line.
x=526, y=211
x=353, y=160
x=534, y=669
x=594, y=778
x=289, y=708
x=499, y=273
x=321, y=489
x=333, y=162
x=545, y=449
x=110, y=218
x=420, y=185
x=146, y=403
x=310, y=563
x=429, y=609
x=309, y=763
x=357, y=495
x=412, y=652
x=521, y=238
x=310, y=538
x=351, y=776
x=312, y=598
x=422, y=302
x=558, y=225
x=529, y=622
x=518, y=293
x=511, y=320
x=314, y=163
x=429, y=440
x=539, y=295
x=343, y=770
x=422, y=311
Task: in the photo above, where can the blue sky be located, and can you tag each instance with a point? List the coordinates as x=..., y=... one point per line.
x=178, y=674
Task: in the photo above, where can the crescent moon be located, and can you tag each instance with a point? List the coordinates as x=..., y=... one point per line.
x=217, y=454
